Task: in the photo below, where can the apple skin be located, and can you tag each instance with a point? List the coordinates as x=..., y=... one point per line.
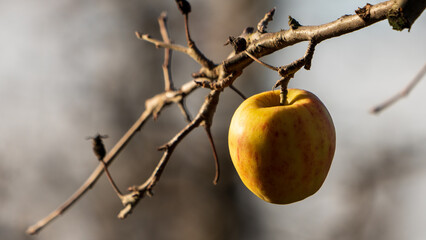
x=282, y=153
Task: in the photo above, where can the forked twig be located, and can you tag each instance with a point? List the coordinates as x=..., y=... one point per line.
x=203, y=117
x=153, y=107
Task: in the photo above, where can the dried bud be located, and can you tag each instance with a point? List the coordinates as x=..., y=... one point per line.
x=184, y=6
x=98, y=146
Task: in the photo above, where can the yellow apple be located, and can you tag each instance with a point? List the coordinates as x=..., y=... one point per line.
x=282, y=153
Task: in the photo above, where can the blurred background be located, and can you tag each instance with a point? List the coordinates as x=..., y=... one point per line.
x=71, y=69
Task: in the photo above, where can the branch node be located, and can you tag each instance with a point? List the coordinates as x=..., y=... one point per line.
x=239, y=43
x=164, y=147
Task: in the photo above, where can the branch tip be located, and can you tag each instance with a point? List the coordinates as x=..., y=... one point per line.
x=263, y=24
x=216, y=160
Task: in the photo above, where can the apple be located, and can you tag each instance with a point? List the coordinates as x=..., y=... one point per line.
x=282, y=153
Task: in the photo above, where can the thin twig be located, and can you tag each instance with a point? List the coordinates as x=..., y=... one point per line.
x=158, y=43
x=377, y=109
x=168, y=83
x=114, y=186
x=216, y=160
x=167, y=72
x=191, y=51
x=261, y=62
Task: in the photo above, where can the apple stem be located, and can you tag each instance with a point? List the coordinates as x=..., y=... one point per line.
x=283, y=91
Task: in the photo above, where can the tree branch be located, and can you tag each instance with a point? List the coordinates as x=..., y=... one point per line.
x=216, y=77
x=271, y=42
x=152, y=106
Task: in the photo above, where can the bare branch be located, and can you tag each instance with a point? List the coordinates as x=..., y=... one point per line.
x=204, y=116
x=271, y=42
x=403, y=93
x=151, y=105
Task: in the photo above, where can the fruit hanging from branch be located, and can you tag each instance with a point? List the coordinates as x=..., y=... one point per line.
x=282, y=153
